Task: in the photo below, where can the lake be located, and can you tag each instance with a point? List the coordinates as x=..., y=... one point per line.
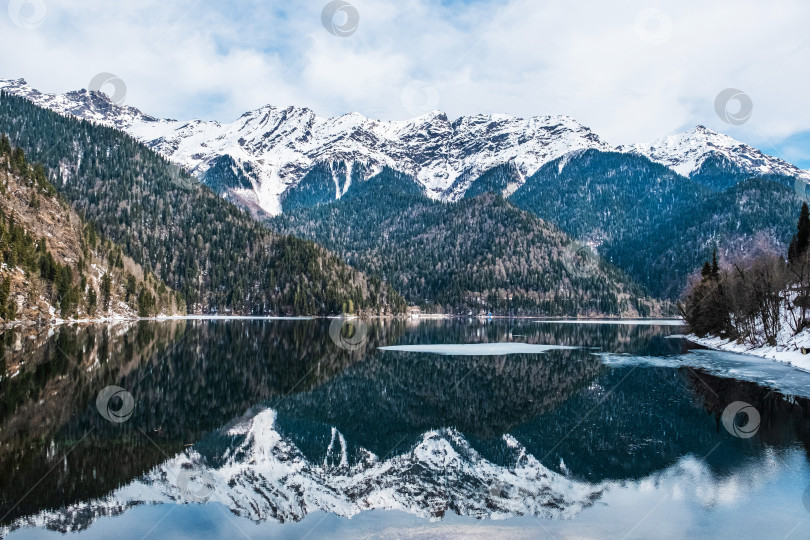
x=392, y=428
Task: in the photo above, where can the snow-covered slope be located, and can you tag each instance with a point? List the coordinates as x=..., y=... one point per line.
x=686, y=152
x=273, y=148
x=282, y=144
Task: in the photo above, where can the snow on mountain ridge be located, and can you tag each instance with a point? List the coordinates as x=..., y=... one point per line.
x=686, y=152
x=281, y=145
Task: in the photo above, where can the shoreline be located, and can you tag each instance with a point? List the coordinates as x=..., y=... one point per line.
x=787, y=352
x=27, y=323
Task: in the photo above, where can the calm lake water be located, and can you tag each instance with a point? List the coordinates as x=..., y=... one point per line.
x=257, y=428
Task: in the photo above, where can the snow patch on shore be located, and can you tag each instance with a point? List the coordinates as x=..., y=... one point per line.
x=787, y=350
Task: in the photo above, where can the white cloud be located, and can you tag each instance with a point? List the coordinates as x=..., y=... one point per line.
x=586, y=59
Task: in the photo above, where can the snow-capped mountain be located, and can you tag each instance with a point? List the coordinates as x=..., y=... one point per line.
x=687, y=152
x=269, y=150
x=280, y=145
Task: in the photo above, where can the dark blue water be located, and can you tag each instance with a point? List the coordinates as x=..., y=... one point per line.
x=233, y=428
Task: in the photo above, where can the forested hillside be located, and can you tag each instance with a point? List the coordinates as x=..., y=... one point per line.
x=217, y=257
x=654, y=224
x=478, y=254
x=55, y=265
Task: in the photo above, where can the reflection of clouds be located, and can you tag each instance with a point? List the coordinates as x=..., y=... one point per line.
x=692, y=480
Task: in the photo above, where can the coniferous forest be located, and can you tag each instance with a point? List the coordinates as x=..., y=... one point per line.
x=480, y=254
x=215, y=255
x=53, y=260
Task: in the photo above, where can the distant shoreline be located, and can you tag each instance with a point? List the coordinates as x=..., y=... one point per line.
x=532, y=318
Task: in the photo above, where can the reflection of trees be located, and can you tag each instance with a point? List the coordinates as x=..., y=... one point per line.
x=46, y=405
x=393, y=398
x=634, y=421
x=783, y=421
x=187, y=378
x=617, y=338
x=59, y=376
x=191, y=377
x=401, y=395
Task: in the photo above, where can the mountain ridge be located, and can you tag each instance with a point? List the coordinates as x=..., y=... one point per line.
x=273, y=148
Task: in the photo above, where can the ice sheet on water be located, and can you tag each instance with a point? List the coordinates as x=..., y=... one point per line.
x=478, y=349
x=780, y=376
x=633, y=322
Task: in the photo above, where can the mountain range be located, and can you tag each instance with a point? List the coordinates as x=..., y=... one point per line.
x=267, y=152
x=479, y=253
x=459, y=216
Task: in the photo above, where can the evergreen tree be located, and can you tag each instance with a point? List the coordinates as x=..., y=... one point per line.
x=803, y=230
x=5, y=293
x=706, y=271
x=130, y=287
x=800, y=240
x=106, y=291
x=92, y=300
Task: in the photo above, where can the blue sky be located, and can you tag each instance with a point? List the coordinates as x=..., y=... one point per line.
x=631, y=70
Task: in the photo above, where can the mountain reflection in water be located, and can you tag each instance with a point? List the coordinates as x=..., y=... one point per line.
x=273, y=420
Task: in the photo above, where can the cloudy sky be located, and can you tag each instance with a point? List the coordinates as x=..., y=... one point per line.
x=630, y=70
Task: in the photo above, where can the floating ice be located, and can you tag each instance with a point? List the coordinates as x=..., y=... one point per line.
x=478, y=349
x=634, y=322
x=782, y=377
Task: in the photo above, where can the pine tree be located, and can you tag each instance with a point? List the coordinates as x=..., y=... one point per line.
x=803, y=233
x=5, y=145
x=130, y=287
x=106, y=291
x=715, y=267
x=706, y=271
x=5, y=292
x=92, y=300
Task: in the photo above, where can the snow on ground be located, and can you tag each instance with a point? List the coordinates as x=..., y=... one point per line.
x=787, y=350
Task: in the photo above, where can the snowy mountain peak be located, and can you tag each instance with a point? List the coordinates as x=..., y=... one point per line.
x=686, y=152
